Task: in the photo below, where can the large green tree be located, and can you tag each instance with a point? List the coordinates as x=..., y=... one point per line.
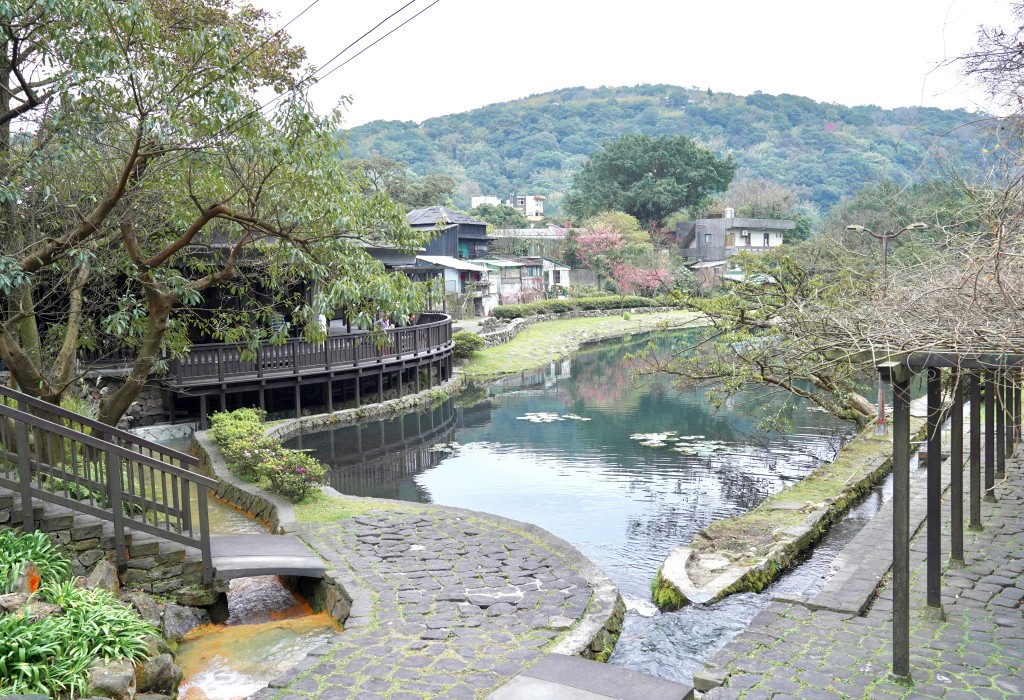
x=140, y=171
x=381, y=174
x=648, y=177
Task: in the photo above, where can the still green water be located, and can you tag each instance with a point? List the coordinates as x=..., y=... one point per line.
x=559, y=448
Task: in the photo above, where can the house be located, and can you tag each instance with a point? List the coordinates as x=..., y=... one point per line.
x=532, y=205
x=708, y=240
x=555, y=275
x=458, y=235
x=464, y=278
x=474, y=202
x=521, y=278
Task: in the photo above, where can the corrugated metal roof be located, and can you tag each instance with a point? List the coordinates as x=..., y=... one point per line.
x=431, y=215
x=453, y=263
x=500, y=263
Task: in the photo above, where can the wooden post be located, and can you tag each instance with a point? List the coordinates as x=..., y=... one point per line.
x=330, y=396
x=901, y=518
x=1007, y=414
x=203, y=413
x=298, y=401
x=263, y=398
x=975, y=452
x=359, y=388
x=956, y=471
x=990, y=437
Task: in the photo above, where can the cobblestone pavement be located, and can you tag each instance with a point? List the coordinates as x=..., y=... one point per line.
x=977, y=652
x=447, y=605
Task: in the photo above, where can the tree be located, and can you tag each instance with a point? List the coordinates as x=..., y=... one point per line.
x=647, y=177
x=144, y=173
x=621, y=223
x=500, y=216
x=381, y=174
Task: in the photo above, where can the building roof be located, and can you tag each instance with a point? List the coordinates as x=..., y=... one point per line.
x=499, y=263
x=708, y=263
x=430, y=216
x=450, y=262
x=546, y=232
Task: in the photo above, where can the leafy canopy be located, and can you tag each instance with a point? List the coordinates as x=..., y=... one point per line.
x=648, y=177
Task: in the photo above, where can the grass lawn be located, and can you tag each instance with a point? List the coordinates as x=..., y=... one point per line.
x=550, y=340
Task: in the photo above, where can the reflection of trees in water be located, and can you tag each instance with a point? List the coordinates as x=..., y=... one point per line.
x=380, y=458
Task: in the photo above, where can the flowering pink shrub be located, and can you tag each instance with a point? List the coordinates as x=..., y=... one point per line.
x=293, y=474
x=638, y=280
x=253, y=456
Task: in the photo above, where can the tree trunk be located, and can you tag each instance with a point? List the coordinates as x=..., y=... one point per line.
x=114, y=406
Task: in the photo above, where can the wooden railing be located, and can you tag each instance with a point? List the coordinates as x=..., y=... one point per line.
x=232, y=362
x=50, y=454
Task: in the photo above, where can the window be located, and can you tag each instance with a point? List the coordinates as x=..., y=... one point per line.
x=767, y=239
x=707, y=238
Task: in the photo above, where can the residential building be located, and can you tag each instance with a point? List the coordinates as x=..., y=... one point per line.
x=532, y=205
x=464, y=278
x=458, y=235
x=707, y=240
x=474, y=202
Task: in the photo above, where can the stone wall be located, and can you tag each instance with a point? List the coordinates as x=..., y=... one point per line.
x=148, y=408
x=503, y=333
x=153, y=566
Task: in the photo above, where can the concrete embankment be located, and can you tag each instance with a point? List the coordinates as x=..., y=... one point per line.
x=748, y=552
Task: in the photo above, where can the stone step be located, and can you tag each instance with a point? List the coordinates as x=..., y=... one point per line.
x=561, y=677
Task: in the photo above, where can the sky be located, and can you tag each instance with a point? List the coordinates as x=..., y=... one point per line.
x=462, y=54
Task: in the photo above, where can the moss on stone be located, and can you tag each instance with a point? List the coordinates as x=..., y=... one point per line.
x=666, y=596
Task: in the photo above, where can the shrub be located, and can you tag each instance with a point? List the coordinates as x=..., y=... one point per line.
x=238, y=426
x=292, y=474
x=466, y=343
x=50, y=655
x=16, y=549
x=249, y=458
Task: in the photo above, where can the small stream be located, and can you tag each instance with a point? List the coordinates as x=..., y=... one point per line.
x=268, y=630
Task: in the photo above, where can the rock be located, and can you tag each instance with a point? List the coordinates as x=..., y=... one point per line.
x=197, y=597
x=13, y=602
x=27, y=580
x=158, y=674
x=104, y=576
x=145, y=605
x=155, y=646
x=180, y=620
x=111, y=679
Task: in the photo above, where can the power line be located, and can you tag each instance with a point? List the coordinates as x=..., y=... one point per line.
x=349, y=60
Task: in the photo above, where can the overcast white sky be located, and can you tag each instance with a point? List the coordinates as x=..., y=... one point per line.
x=462, y=54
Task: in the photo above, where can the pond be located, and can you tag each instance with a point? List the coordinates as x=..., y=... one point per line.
x=571, y=448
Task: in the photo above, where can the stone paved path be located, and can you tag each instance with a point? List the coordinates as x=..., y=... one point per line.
x=978, y=652
x=447, y=605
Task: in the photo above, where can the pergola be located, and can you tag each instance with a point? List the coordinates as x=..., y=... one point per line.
x=990, y=383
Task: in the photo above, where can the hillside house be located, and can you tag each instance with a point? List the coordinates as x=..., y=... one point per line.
x=707, y=240
x=457, y=235
x=464, y=278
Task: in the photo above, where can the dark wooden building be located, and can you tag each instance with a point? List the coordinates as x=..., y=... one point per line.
x=458, y=235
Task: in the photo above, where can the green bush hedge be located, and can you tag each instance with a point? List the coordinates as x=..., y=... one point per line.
x=558, y=306
x=466, y=343
x=253, y=456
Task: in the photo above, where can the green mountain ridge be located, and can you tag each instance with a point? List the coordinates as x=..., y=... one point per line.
x=824, y=151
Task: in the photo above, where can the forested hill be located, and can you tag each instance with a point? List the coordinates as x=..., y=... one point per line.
x=535, y=145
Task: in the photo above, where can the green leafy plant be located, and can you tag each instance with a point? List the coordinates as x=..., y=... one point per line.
x=466, y=343
x=16, y=549
x=293, y=474
x=51, y=655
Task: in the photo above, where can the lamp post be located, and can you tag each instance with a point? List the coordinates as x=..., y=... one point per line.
x=880, y=424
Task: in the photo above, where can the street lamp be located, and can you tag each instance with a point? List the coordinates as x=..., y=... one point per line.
x=881, y=428
x=885, y=237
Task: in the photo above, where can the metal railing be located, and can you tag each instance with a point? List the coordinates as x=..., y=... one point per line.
x=50, y=454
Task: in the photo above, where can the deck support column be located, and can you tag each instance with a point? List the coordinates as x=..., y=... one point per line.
x=934, y=498
x=380, y=386
x=956, y=471
x=204, y=423
x=975, y=451
x=401, y=389
x=900, y=381
x=263, y=399
x=298, y=401
x=1007, y=413
x=223, y=400
x=990, y=437
x=171, y=407
x=330, y=396
x=359, y=382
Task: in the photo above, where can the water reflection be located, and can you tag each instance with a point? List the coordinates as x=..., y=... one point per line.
x=621, y=503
